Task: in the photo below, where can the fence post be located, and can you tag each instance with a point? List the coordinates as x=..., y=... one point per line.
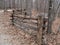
x=39, y=32
x=12, y=16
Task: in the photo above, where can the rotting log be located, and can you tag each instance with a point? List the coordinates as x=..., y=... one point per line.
x=39, y=32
